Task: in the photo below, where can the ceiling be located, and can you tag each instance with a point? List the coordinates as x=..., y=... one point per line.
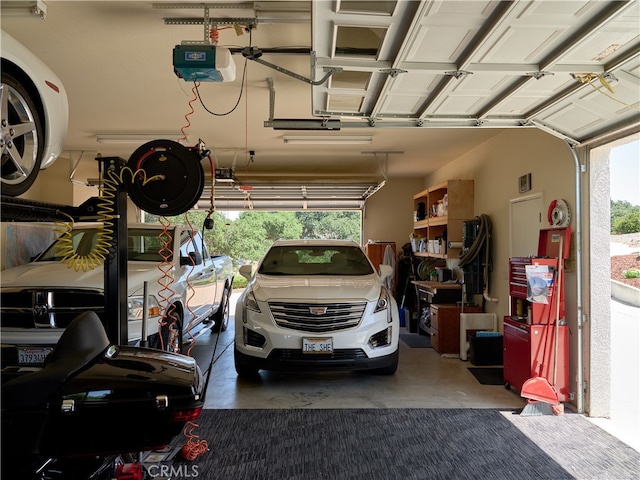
x=426, y=80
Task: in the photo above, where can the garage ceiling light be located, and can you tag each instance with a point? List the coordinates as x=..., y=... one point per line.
x=137, y=138
x=327, y=139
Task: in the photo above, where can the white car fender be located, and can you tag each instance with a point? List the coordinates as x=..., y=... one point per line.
x=53, y=95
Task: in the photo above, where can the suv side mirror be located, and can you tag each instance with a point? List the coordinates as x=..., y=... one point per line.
x=194, y=258
x=385, y=271
x=245, y=271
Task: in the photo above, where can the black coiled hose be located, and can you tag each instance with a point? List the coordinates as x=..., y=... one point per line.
x=483, y=236
x=483, y=239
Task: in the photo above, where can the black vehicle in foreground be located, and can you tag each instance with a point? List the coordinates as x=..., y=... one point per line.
x=93, y=401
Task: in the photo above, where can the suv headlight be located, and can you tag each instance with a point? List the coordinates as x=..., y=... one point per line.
x=250, y=302
x=135, y=307
x=383, y=301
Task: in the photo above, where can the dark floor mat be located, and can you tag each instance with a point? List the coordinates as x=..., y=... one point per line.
x=414, y=340
x=383, y=444
x=488, y=375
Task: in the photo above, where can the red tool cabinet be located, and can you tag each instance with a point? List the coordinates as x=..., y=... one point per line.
x=524, y=352
x=529, y=348
x=541, y=313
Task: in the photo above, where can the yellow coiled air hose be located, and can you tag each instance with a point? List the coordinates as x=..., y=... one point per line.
x=100, y=250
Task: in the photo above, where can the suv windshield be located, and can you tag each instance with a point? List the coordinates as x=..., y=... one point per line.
x=315, y=260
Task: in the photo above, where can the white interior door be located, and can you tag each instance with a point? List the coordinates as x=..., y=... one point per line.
x=525, y=221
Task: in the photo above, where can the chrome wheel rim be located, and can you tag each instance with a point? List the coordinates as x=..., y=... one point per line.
x=19, y=139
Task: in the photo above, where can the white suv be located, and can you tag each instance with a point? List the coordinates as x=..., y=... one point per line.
x=316, y=305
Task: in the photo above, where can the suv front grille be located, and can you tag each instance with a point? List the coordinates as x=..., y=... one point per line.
x=317, y=317
x=345, y=354
x=34, y=308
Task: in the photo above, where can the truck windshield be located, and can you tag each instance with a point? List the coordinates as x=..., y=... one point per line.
x=143, y=245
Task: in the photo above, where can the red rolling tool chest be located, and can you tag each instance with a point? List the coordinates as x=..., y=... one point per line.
x=529, y=329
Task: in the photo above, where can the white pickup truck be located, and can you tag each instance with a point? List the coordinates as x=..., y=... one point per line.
x=187, y=289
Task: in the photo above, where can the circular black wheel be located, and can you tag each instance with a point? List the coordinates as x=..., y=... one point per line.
x=180, y=178
x=243, y=370
x=389, y=369
x=22, y=137
x=221, y=317
x=172, y=332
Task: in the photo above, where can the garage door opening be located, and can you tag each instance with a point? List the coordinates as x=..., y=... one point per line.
x=246, y=235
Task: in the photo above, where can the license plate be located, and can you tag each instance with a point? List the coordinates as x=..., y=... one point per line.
x=317, y=345
x=32, y=356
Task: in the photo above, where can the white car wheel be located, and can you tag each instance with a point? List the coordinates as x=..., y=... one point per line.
x=172, y=332
x=22, y=137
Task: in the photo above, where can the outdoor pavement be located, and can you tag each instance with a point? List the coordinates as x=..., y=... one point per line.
x=625, y=367
x=625, y=375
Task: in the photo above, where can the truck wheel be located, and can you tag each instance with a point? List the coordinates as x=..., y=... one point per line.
x=221, y=317
x=172, y=332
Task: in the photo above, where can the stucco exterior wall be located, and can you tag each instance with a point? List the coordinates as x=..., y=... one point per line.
x=598, y=328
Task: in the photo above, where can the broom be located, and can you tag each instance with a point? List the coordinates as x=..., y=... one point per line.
x=542, y=397
x=538, y=391
x=558, y=408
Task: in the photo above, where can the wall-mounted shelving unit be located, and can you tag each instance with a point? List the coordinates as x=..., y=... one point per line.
x=446, y=206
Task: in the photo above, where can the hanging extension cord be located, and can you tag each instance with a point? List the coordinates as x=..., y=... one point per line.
x=165, y=292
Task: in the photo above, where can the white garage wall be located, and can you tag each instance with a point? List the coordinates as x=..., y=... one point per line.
x=388, y=214
x=495, y=167
x=53, y=185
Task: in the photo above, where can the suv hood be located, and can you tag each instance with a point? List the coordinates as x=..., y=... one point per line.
x=267, y=287
x=58, y=275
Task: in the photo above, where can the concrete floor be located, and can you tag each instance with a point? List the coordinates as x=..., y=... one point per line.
x=424, y=379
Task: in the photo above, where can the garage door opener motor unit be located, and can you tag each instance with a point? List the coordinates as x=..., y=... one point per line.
x=203, y=63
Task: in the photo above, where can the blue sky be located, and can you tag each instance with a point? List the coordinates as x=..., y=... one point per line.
x=625, y=173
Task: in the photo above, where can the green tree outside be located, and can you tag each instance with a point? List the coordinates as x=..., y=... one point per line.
x=247, y=238
x=625, y=218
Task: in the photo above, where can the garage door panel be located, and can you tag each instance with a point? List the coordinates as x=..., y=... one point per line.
x=470, y=61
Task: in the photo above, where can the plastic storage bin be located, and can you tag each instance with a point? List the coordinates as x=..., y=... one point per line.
x=475, y=321
x=486, y=348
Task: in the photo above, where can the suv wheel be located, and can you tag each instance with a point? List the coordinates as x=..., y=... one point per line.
x=389, y=369
x=243, y=370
